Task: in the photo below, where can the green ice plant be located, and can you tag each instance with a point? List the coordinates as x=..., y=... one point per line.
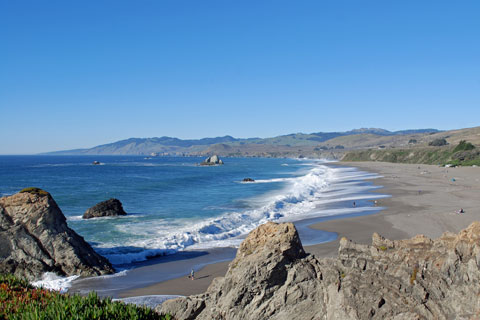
x=19, y=300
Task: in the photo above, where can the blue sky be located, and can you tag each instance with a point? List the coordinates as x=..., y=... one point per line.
x=77, y=74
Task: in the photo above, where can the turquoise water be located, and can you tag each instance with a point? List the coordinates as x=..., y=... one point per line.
x=173, y=204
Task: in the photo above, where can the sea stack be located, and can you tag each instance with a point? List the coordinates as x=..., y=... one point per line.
x=108, y=208
x=211, y=161
x=35, y=238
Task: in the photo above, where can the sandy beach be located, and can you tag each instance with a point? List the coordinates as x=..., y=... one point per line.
x=425, y=200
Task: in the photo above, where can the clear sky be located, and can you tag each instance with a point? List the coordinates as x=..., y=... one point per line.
x=77, y=74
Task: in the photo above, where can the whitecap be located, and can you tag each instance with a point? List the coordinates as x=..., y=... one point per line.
x=300, y=197
x=52, y=281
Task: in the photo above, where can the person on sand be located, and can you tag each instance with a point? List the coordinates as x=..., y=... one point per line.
x=192, y=275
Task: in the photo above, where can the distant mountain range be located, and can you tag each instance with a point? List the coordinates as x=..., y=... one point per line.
x=285, y=145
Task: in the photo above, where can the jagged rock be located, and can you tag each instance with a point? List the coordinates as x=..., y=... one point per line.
x=35, y=238
x=109, y=208
x=211, y=161
x=272, y=278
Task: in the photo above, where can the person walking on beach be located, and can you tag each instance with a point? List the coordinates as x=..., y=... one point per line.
x=192, y=275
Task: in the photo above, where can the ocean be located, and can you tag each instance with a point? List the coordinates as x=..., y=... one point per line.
x=175, y=206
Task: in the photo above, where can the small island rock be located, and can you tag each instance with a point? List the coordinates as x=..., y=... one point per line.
x=211, y=161
x=109, y=208
x=35, y=238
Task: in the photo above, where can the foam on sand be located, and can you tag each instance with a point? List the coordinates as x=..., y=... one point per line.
x=148, y=301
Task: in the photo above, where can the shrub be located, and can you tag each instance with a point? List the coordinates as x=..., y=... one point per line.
x=464, y=146
x=34, y=190
x=412, y=141
x=438, y=143
x=19, y=300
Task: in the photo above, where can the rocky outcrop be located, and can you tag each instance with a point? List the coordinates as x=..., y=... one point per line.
x=211, y=161
x=108, y=208
x=272, y=278
x=35, y=238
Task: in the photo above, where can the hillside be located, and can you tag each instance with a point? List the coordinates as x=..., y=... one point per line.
x=463, y=153
x=320, y=144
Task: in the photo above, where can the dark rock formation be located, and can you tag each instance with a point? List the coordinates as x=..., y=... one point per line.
x=438, y=142
x=211, y=161
x=248, y=180
x=272, y=278
x=108, y=208
x=35, y=238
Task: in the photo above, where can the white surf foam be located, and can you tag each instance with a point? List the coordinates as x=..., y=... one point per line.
x=269, y=180
x=51, y=281
x=300, y=198
x=74, y=218
x=148, y=301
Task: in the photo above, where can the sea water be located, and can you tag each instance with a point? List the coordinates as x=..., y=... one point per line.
x=174, y=204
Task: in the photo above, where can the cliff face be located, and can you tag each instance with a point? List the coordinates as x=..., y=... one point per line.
x=272, y=278
x=35, y=238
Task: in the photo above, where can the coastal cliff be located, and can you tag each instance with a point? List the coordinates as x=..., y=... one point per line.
x=35, y=238
x=272, y=278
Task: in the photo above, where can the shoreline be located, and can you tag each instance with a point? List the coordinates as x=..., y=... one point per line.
x=424, y=199
x=334, y=189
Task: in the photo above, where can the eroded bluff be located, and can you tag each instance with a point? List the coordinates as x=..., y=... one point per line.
x=35, y=238
x=272, y=278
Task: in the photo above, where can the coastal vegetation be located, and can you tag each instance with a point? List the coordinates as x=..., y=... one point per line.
x=20, y=300
x=34, y=190
x=464, y=146
x=464, y=154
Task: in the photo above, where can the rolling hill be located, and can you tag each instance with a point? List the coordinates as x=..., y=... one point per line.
x=319, y=144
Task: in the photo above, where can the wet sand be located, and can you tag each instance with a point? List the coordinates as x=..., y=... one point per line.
x=424, y=200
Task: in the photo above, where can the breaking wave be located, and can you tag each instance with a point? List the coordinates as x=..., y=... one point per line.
x=298, y=199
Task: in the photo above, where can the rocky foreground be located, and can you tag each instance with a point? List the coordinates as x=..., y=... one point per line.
x=35, y=238
x=272, y=278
